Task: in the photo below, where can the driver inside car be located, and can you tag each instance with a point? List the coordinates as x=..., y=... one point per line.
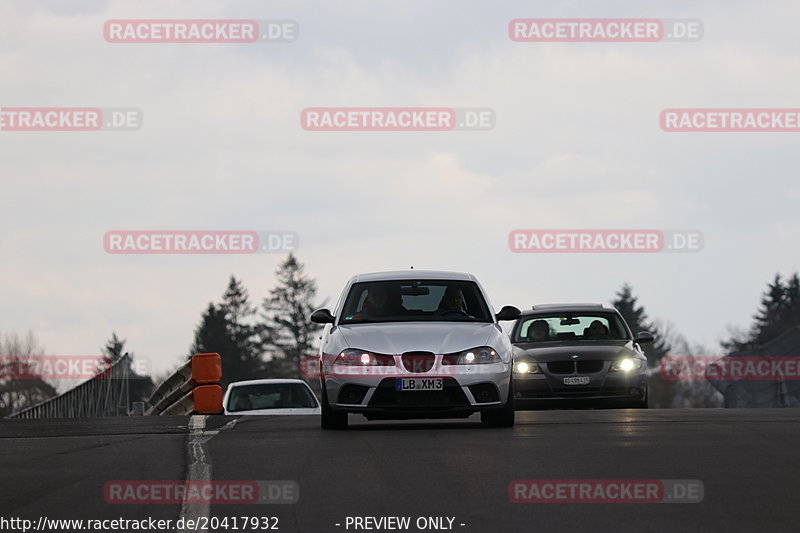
x=539, y=330
x=243, y=403
x=452, y=302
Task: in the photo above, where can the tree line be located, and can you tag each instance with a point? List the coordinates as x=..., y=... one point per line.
x=264, y=341
x=270, y=338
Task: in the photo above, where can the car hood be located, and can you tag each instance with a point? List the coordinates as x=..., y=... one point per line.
x=399, y=337
x=563, y=351
x=273, y=412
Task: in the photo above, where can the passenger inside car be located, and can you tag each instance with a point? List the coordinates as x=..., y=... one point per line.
x=596, y=330
x=538, y=331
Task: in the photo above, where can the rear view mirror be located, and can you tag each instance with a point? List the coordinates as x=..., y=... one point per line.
x=508, y=312
x=414, y=290
x=644, y=337
x=322, y=316
x=569, y=321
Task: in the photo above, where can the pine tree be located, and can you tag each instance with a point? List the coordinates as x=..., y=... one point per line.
x=211, y=335
x=229, y=330
x=286, y=311
x=792, y=294
x=778, y=312
x=141, y=386
x=637, y=320
x=768, y=320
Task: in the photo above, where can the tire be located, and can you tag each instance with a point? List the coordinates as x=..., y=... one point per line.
x=640, y=404
x=503, y=417
x=329, y=418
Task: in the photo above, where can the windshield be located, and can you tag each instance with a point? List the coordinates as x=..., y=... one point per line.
x=572, y=326
x=270, y=396
x=415, y=300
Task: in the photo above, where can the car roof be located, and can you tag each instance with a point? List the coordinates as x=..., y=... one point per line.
x=568, y=307
x=412, y=274
x=265, y=381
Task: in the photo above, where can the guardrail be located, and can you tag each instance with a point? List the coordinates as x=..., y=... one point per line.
x=192, y=389
x=106, y=394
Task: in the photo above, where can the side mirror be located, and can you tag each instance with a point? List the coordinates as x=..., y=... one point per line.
x=643, y=337
x=508, y=312
x=322, y=316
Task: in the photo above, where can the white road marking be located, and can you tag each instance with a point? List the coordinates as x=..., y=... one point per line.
x=200, y=466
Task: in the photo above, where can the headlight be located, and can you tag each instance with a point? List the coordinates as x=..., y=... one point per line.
x=527, y=367
x=626, y=365
x=477, y=356
x=363, y=358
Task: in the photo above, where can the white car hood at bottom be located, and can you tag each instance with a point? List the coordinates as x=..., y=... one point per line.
x=287, y=411
x=394, y=338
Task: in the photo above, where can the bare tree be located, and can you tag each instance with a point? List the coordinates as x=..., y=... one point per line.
x=20, y=386
x=682, y=393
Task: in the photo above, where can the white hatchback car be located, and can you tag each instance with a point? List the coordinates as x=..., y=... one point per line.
x=270, y=397
x=415, y=344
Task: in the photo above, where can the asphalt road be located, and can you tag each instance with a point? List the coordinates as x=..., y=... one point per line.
x=747, y=461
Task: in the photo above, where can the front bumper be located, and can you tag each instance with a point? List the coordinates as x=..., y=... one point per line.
x=371, y=391
x=605, y=389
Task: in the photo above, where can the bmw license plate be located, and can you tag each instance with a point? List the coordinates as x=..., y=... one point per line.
x=577, y=380
x=411, y=384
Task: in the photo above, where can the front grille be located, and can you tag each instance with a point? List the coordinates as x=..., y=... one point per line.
x=561, y=367
x=451, y=395
x=590, y=366
x=418, y=362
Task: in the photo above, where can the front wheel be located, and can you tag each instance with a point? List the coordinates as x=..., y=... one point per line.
x=329, y=418
x=640, y=404
x=503, y=417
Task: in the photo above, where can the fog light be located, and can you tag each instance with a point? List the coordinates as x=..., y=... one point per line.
x=352, y=394
x=484, y=393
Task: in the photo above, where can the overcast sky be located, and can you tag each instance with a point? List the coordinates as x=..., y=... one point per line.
x=577, y=145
